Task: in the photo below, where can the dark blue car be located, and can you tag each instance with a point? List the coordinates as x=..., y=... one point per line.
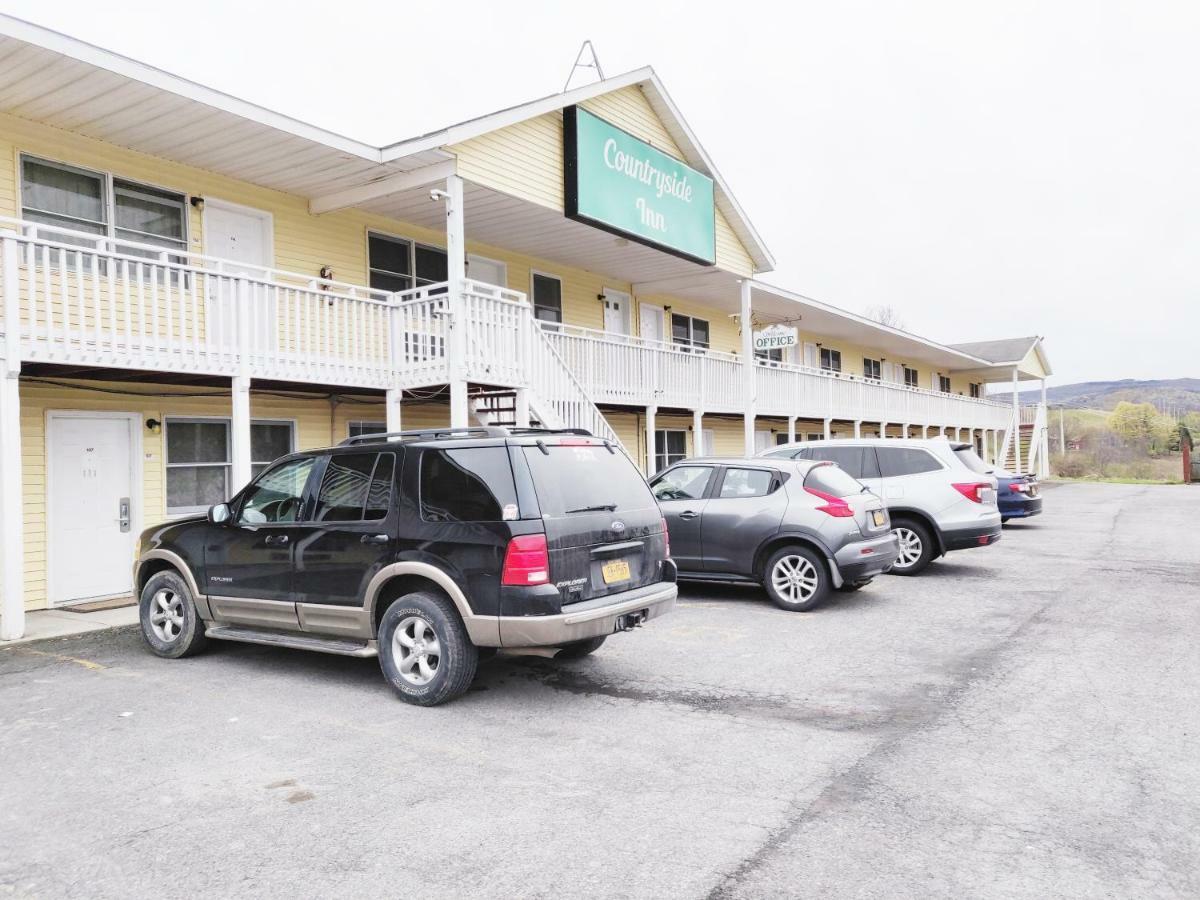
x=1018, y=496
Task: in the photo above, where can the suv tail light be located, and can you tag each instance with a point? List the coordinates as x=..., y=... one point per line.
x=666, y=539
x=526, y=561
x=973, y=491
x=834, y=506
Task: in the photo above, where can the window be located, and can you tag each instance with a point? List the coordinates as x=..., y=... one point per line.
x=971, y=460
x=474, y=484
x=396, y=264
x=897, y=461
x=975, y=390
x=832, y=480
x=831, y=360
x=745, y=483
x=358, y=429
x=100, y=204
x=871, y=369
x=670, y=446
x=910, y=377
x=277, y=495
x=775, y=355
x=574, y=479
x=858, y=462
x=683, y=483
x=356, y=486
x=547, y=298
x=200, y=457
x=944, y=384
x=689, y=331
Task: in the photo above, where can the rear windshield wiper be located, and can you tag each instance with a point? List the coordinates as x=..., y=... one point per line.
x=599, y=507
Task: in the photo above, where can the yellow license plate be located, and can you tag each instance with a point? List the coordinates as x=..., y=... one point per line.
x=877, y=516
x=615, y=570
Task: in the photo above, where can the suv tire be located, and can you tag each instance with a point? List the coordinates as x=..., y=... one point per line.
x=171, y=626
x=424, y=650
x=916, y=547
x=580, y=649
x=796, y=579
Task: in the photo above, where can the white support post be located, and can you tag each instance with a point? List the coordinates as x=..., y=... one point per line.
x=1044, y=461
x=391, y=403
x=1016, y=424
x=522, y=404
x=924, y=432
x=697, y=432
x=857, y=428
x=987, y=453
x=750, y=392
x=240, y=433
x=907, y=426
x=12, y=517
x=791, y=430
x=456, y=273
x=650, y=413
x=883, y=429
x=828, y=433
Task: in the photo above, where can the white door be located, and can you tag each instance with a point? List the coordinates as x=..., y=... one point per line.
x=489, y=271
x=90, y=487
x=616, y=311
x=241, y=238
x=650, y=319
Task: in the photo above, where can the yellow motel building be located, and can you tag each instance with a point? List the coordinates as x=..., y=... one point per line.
x=192, y=285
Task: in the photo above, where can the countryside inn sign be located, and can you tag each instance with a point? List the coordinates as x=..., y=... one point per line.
x=621, y=184
x=776, y=337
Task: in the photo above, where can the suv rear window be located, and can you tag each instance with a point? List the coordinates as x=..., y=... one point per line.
x=471, y=484
x=971, y=460
x=570, y=478
x=832, y=480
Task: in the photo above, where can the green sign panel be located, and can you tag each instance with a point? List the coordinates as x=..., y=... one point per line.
x=621, y=184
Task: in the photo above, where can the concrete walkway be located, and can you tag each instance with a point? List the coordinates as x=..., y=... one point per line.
x=42, y=624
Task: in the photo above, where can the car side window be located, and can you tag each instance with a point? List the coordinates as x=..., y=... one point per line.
x=896, y=461
x=745, y=483
x=682, y=483
x=355, y=487
x=849, y=458
x=472, y=484
x=277, y=494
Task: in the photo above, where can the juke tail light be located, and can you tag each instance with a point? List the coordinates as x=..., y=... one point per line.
x=973, y=490
x=666, y=539
x=526, y=561
x=833, y=506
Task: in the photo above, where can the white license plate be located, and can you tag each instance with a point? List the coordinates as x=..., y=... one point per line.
x=877, y=517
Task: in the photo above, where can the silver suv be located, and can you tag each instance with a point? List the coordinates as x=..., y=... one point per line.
x=940, y=494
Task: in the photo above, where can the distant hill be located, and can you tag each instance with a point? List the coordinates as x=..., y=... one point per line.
x=1179, y=395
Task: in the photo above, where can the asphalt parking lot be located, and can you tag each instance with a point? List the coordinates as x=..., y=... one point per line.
x=1022, y=720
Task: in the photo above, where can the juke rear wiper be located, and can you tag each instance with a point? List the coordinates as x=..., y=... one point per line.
x=599, y=507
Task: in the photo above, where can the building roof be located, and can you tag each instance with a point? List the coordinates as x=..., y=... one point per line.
x=1009, y=350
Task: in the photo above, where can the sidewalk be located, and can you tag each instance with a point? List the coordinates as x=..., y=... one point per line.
x=42, y=624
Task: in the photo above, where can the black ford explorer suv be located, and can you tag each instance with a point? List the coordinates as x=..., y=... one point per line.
x=424, y=548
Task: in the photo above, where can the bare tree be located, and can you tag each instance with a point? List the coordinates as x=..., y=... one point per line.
x=886, y=315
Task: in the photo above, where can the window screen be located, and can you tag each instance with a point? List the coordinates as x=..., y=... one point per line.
x=390, y=261
x=547, y=298
x=268, y=442
x=473, y=484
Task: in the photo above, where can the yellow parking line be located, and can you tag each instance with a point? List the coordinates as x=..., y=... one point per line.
x=86, y=663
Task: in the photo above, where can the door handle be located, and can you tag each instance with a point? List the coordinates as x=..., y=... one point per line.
x=123, y=513
x=688, y=514
x=374, y=539
x=277, y=539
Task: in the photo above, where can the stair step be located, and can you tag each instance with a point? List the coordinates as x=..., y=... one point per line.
x=297, y=641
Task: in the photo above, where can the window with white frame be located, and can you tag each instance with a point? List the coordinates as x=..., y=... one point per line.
x=872, y=369
x=102, y=204
x=670, y=446
x=831, y=360
x=689, y=331
x=547, y=297
x=359, y=428
x=910, y=377
x=200, y=458
x=944, y=383
x=976, y=390
x=398, y=264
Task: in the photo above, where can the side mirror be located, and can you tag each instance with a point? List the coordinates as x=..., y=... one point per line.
x=219, y=514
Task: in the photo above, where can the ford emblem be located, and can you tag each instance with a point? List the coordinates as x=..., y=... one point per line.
x=618, y=526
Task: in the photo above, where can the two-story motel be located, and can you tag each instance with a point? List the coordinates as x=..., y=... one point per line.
x=193, y=285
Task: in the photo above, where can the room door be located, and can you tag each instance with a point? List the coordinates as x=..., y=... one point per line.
x=240, y=237
x=616, y=312
x=650, y=318
x=91, y=500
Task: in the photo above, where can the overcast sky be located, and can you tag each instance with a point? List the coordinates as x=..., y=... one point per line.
x=988, y=169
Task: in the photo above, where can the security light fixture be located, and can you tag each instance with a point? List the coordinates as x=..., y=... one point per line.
x=153, y=426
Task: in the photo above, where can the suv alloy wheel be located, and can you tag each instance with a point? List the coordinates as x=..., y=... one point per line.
x=167, y=615
x=916, y=547
x=424, y=650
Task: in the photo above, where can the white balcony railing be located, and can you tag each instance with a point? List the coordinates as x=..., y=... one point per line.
x=627, y=370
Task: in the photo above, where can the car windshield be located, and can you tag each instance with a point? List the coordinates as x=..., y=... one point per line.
x=834, y=481
x=572, y=478
x=971, y=460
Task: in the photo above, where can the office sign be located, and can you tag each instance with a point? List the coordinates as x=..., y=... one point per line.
x=621, y=184
x=776, y=337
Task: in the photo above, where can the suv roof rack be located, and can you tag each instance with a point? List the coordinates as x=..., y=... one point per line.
x=477, y=431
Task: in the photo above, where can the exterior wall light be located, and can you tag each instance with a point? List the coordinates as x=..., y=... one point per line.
x=153, y=426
